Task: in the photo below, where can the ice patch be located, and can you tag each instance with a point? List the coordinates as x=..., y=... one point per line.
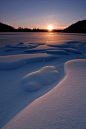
x=43, y=77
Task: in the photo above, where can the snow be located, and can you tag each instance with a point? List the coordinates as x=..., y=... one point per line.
x=60, y=52
x=16, y=61
x=72, y=50
x=42, y=81
x=43, y=77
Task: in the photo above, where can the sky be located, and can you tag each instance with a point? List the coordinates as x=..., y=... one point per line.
x=42, y=13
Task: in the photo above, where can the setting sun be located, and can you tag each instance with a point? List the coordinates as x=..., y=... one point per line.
x=50, y=27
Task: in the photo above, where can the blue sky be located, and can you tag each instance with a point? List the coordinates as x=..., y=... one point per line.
x=41, y=13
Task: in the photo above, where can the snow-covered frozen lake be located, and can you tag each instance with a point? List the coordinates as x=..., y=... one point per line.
x=42, y=80
x=40, y=37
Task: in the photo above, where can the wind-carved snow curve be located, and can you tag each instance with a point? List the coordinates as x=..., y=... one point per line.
x=43, y=77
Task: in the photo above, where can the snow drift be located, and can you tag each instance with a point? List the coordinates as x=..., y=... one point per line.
x=63, y=107
x=43, y=77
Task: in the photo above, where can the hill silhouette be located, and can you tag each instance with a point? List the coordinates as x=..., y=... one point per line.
x=78, y=27
x=6, y=28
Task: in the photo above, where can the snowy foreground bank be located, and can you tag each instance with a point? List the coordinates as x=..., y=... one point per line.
x=43, y=86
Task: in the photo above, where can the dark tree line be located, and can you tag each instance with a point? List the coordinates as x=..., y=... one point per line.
x=78, y=27
x=8, y=28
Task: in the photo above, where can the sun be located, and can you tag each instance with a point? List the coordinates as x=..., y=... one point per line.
x=50, y=27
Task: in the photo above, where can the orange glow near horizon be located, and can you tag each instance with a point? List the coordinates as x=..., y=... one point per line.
x=50, y=27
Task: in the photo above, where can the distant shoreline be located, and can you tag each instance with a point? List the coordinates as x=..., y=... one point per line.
x=78, y=27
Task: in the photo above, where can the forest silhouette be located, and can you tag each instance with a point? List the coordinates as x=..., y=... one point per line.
x=78, y=27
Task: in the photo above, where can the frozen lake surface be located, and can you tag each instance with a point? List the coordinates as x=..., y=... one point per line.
x=42, y=80
x=40, y=37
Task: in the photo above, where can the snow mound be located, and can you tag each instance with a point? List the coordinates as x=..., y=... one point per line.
x=63, y=107
x=76, y=65
x=35, y=80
